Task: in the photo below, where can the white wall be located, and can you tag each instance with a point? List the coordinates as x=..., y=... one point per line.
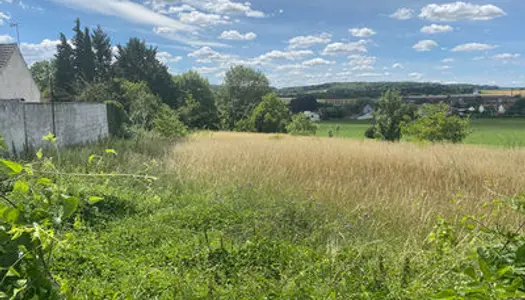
x=16, y=81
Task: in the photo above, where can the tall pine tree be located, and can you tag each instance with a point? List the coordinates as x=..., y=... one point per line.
x=65, y=72
x=103, y=54
x=88, y=60
x=78, y=51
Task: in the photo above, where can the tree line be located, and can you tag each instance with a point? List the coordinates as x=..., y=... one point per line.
x=131, y=78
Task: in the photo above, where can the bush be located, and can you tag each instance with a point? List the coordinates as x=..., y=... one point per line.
x=434, y=124
x=392, y=112
x=371, y=132
x=301, y=125
x=168, y=124
x=270, y=116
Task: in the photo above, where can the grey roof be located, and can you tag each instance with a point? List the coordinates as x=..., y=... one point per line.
x=6, y=51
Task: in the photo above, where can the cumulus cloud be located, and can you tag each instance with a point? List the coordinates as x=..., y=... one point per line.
x=3, y=17
x=361, y=60
x=226, y=7
x=506, y=56
x=362, y=32
x=317, y=62
x=471, y=47
x=285, y=55
x=168, y=58
x=425, y=45
x=234, y=35
x=345, y=48
x=304, y=42
x=5, y=39
x=397, y=66
x=448, y=60
x=402, y=14
x=207, y=54
x=44, y=50
x=456, y=11
x=435, y=28
x=202, y=19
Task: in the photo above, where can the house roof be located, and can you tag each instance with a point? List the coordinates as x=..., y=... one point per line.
x=6, y=51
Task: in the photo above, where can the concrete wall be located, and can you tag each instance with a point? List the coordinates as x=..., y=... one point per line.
x=16, y=81
x=24, y=124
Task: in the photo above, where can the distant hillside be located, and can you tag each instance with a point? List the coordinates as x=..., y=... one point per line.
x=339, y=90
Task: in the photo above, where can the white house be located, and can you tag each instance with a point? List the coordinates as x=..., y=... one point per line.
x=312, y=116
x=16, y=81
x=367, y=114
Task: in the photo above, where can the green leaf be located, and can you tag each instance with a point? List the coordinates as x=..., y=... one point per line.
x=21, y=187
x=39, y=154
x=520, y=254
x=94, y=199
x=471, y=273
x=3, y=295
x=50, y=138
x=446, y=294
x=111, y=151
x=91, y=158
x=505, y=270
x=16, y=168
x=484, y=267
x=12, y=272
x=9, y=214
x=70, y=206
x=44, y=181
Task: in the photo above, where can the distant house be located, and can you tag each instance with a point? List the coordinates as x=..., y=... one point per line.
x=367, y=114
x=16, y=81
x=312, y=116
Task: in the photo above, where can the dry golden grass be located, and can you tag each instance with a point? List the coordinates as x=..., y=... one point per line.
x=504, y=92
x=407, y=184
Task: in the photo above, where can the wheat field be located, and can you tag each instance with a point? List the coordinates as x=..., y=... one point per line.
x=405, y=185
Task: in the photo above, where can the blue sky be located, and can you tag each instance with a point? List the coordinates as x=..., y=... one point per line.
x=298, y=42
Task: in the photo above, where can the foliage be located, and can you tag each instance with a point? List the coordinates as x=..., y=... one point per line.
x=270, y=116
x=518, y=108
x=242, y=91
x=103, y=54
x=389, y=116
x=65, y=76
x=434, y=124
x=205, y=115
x=142, y=104
x=136, y=62
x=303, y=103
x=301, y=125
x=43, y=73
x=118, y=119
x=168, y=124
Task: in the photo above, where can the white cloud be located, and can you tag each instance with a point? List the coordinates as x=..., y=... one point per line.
x=285, y=55
x=397, y=66
x=226, y=7
x=4, y=39
x=193, y=40
x=303, y=42
x=317, y=62
x=207, y=54
x=363, y=68
x=402, y=14
x=444, y=67
x=290, y=67
x=415, y=75
x=435, y=28
x=234, y=35
x=127, y=10
x=345, y=48
x=203, y=19
x=425, y=45
x=478, y=58
x=3, y=17
x=360, y=60
x=362, y=32
x=206, y=70
x=44, y=50
x=168, y=58
x=373, y=74
x=506, y=56
x=456, y=11
x=448, y=60
x=470, y=47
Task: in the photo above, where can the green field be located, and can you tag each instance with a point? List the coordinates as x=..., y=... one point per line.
x=497, y=132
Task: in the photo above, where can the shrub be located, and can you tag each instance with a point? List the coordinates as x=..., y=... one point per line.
x=168, y=124
x=301, y=125
x=392, y=112
x=434, y=124
x=270, y=116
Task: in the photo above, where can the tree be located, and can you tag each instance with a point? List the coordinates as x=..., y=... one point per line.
x=303, y=103
x=65, y=71
x=434, y=124
x=103, y=54
x=88, y=60
x=518, y=108
x=142, y=104
x=78, y=51
x=168, y=124
x=136, y=62
x=271, y=115
x=391, y=112
x=301, y=125
x=204, y=112
x=242, y=91
x=43, y=73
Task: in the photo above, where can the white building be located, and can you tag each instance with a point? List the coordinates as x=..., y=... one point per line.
x=312, y=116
x=16, y=81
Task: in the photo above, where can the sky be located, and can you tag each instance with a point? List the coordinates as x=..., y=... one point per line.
x=297, y=42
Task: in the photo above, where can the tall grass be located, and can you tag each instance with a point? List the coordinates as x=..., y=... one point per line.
x=404, y=186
